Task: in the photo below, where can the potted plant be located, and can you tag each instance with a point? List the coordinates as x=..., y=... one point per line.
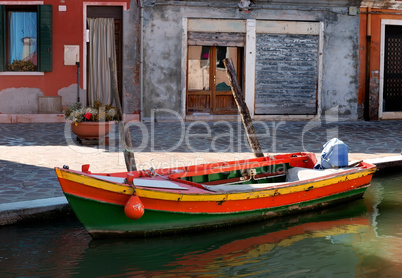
x=91, y=122
x=20, y=65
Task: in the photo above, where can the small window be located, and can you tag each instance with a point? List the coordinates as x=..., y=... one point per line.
x=26, y=34
x=22, y=39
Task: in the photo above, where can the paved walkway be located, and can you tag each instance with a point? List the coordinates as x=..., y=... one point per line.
x=28, y=152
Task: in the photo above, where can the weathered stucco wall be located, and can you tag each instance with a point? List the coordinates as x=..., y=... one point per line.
x=162, y=59
x=163, y=50
x=131, y=60
x=340, y=64
x=19, y=100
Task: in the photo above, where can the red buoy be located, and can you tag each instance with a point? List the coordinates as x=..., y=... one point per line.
x=134, y=209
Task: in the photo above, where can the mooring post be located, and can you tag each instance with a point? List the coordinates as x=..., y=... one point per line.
x=124, y=133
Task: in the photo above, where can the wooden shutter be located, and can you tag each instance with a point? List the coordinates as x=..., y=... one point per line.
x=2, y=38
x=287, y=74
x=45, y=45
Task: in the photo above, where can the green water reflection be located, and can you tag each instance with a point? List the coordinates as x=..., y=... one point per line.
x=359, y=239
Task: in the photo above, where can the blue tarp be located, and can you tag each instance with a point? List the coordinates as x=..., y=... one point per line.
x=334, y=155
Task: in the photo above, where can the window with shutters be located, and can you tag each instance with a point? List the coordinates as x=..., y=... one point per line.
x=26, y=37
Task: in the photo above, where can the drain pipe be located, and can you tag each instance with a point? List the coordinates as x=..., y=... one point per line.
x=78, y=77
x=368, y=66
x=141, y=59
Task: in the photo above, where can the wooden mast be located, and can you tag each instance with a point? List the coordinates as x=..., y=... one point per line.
x=242, y=107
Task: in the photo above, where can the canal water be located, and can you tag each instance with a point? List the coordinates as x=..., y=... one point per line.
x=359, y=239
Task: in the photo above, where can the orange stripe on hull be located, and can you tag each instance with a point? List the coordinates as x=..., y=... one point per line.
x=93, y=193
x=254, y=204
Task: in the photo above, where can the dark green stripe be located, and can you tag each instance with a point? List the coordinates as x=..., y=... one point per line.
x=109, y=219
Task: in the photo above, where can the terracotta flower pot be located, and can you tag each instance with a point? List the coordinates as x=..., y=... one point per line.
x=91, y=130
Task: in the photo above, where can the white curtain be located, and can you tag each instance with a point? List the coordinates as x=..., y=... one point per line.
x=22, y=36
x=101, y=48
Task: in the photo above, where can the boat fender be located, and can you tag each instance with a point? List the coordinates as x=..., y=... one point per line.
x=134, y=208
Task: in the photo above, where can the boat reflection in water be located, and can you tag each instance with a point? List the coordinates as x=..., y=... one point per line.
x=318, y=243
x=380, y=250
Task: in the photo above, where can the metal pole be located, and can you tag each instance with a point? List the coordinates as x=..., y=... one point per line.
x=78, y=81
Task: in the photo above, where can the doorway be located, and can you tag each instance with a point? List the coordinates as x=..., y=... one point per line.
x=392, y=88
x=96, y=68
x=208, y=87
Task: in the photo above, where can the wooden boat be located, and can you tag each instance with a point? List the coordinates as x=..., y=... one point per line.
x=153, y=202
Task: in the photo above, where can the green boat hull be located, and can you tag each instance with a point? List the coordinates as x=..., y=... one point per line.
x=108, y=220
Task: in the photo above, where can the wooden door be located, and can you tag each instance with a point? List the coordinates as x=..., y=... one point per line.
x=208, y=87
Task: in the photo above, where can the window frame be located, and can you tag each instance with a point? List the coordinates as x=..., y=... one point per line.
x=21, y=8
x=44, y=38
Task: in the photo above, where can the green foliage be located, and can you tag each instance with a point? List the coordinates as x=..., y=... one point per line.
x=19, y=65
x=98, y=112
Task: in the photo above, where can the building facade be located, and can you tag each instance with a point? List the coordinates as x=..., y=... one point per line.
x=48, y=56
x=380, y=85
x=294, y=60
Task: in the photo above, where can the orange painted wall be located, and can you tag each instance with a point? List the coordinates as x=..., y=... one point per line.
x=67, y=30
x=374, y=16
